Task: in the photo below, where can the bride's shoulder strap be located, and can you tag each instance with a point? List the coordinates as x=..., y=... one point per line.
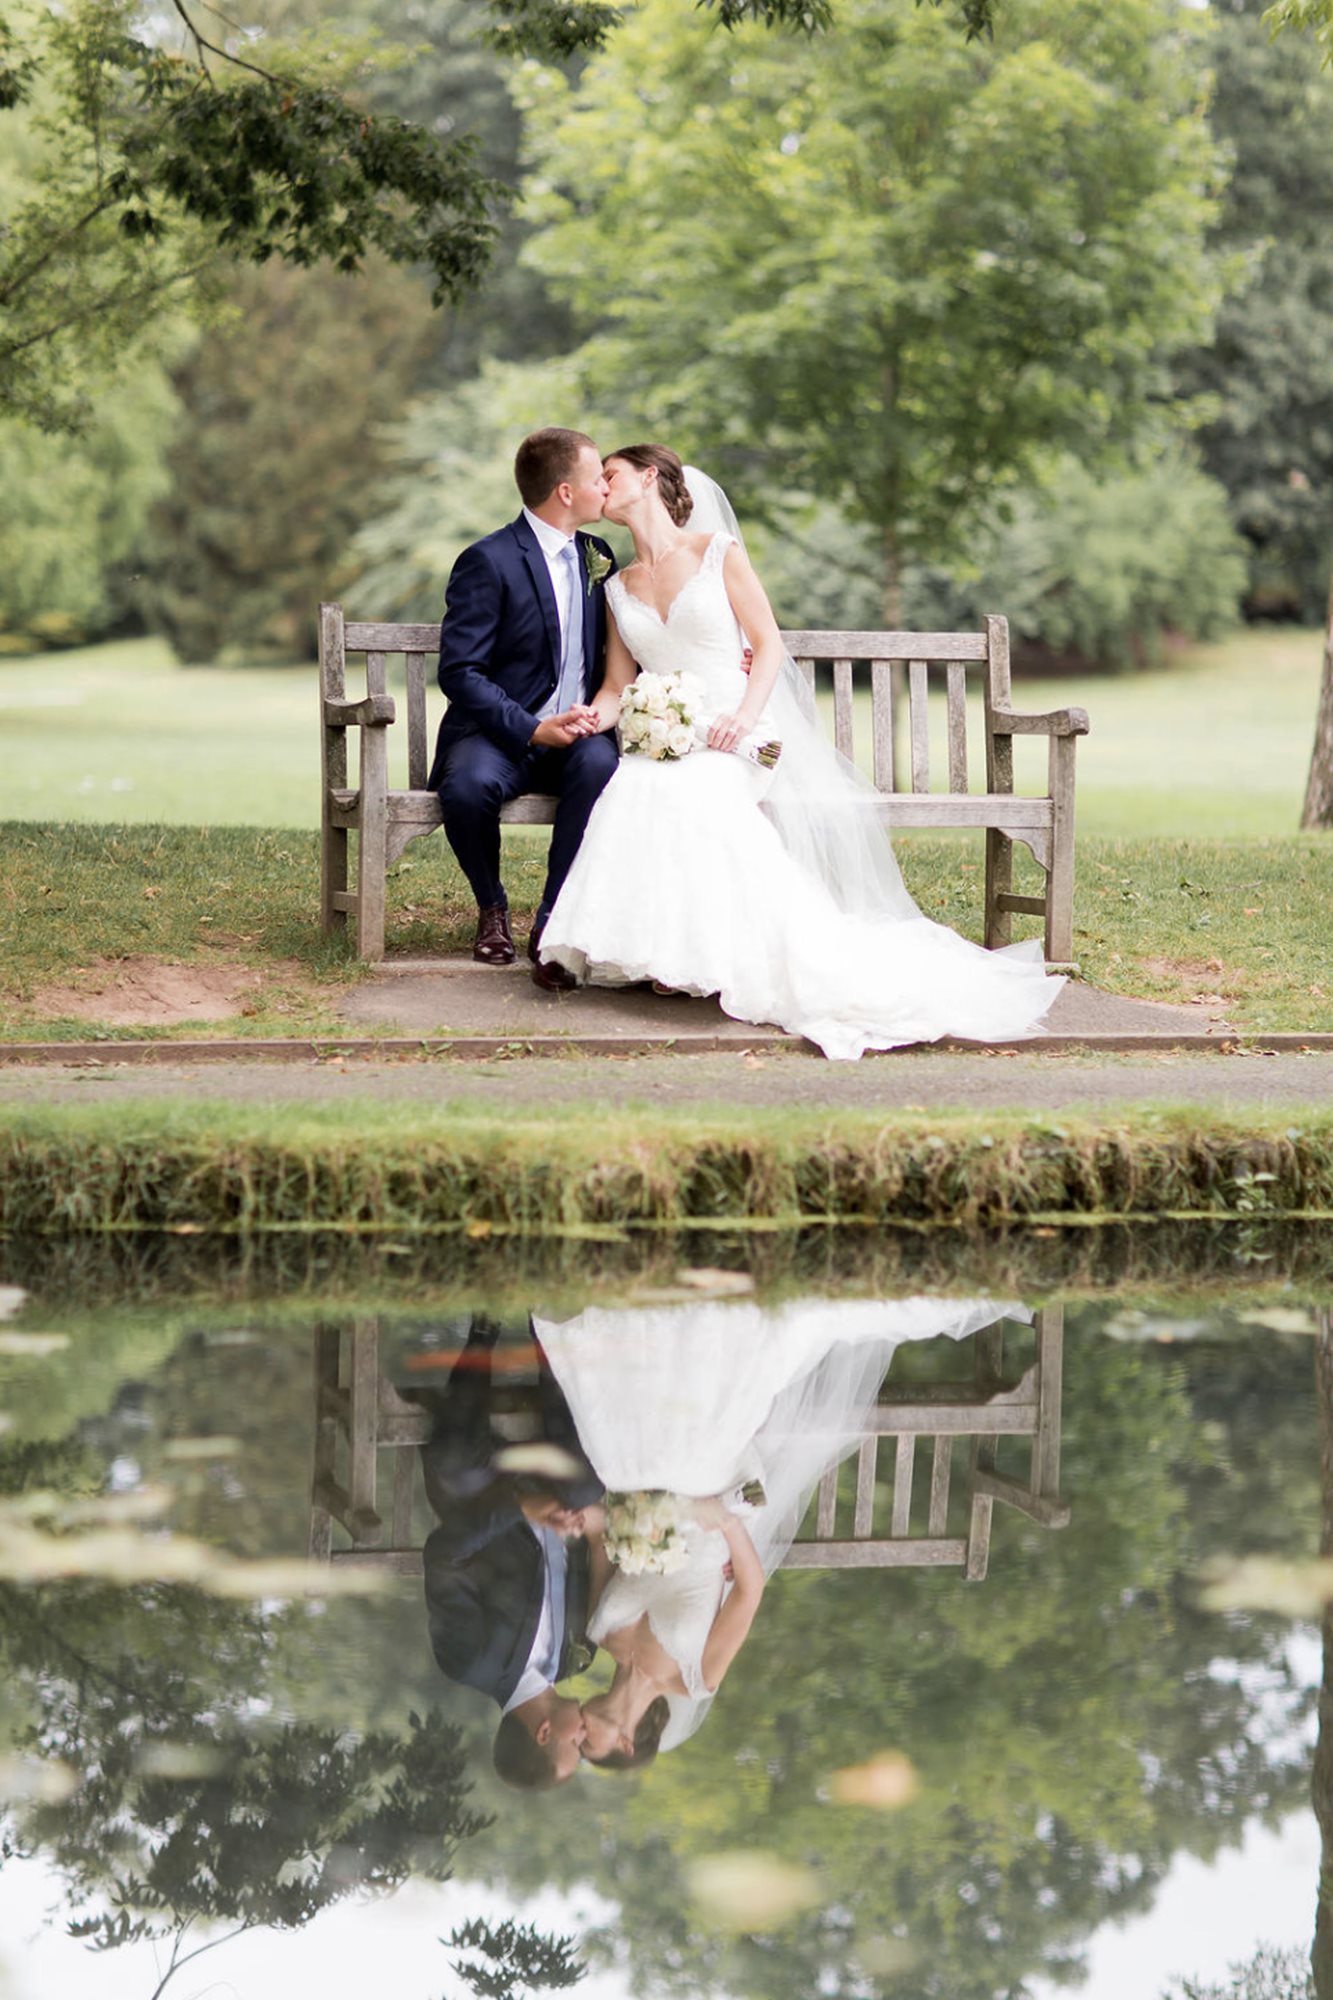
x=716, y=552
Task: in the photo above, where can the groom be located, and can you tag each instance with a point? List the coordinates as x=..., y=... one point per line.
x=521, y=650
x=506, y=1577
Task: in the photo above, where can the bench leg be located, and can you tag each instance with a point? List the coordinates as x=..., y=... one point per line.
x=999, y=882
x=332, y=875
x=371, y=848
x=1060, y=876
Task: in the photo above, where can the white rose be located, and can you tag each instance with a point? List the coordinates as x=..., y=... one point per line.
x=658, y=732
x=681, y=740
x=657, y=700
x=634, y=727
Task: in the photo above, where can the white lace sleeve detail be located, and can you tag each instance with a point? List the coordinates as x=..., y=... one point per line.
x=716, y=552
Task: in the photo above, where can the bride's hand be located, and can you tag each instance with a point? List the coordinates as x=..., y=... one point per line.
x=710, y=1513
x=727, y=731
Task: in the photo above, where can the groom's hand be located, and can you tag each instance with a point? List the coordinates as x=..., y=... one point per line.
x=557, y=732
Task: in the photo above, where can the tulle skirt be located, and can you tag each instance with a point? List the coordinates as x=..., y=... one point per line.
x=681, y=878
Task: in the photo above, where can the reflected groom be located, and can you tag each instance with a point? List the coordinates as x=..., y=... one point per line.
x=521, y=649
x=506, y=1583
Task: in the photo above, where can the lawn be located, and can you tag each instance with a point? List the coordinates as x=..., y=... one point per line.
x=179, y=807
x=1217, y=745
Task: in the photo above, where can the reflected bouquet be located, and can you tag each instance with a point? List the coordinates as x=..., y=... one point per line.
x=645, y=1532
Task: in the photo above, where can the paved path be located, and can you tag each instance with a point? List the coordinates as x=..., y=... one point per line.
x=937, y=1080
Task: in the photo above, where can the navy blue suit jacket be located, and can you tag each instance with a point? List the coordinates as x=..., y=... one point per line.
x=500, y=639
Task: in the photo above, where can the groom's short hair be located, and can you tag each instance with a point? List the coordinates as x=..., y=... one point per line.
x=524, y=1764
x=544, y=459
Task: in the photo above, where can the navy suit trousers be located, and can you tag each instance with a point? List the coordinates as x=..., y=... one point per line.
x=477, y=777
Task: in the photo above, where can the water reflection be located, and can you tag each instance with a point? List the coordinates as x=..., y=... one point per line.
x=908, y=1782
x=631, y=1477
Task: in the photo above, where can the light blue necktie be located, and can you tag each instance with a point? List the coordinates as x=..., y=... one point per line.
x=569, y=688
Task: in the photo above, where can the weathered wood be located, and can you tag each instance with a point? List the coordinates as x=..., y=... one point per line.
x=404, y=1480
x=877, y=645
x=957, y=699
x=1060, y=879
x=902, y=1486
x=881, y=725
x=388, y=821
x=333, y=767
x=828, y=1502
x=977, y=1560
x=363, y=1374
x=961, y=1419
x=417, y=760
x=842, y=707
x=920, y=725
x=864, y=1517
x=373, y=638
x=914, y=1552
x=1050, y=1328
x=372, y=859
x=1060, y=722
x=941, y=1466
x=1046, y=1511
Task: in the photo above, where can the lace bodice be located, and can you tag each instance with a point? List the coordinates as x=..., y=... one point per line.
x=680, y=1607
x=699, y=634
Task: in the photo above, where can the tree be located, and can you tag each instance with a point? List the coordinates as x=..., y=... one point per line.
x=893, y=269
x=153, y=161
x=158, y=155
x=1265, y=379
x=276, y=460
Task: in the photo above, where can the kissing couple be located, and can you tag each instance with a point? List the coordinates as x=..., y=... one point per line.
x=773, y=887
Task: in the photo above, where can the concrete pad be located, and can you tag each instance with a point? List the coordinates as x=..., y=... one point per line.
x=456, y=996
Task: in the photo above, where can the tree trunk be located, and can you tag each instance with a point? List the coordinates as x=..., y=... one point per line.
x=1318, y=810
x=1321, y=1952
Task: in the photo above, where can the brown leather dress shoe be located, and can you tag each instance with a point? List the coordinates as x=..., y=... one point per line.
x=494, y=942
x=552, y=978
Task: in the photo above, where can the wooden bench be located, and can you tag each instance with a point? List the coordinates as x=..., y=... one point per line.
x=358, y=1414
x=974, y=670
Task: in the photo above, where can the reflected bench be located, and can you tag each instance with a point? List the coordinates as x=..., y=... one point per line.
x=955, y=1426
x=971, y=669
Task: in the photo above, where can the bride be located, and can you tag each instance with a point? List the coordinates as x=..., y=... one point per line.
x=776, y=890
x=702, y=1401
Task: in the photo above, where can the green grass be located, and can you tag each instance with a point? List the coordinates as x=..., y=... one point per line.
x=1153, y=918
x=1216, y=745
x=371, y=1168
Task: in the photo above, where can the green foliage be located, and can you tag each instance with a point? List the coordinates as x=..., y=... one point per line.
x=1101, y=569
x=1270, y=1975
x=1264, y=383
x=510, y=1960
x=275, y=462
x=891, y=269
x=149, y=163
x=74, y=511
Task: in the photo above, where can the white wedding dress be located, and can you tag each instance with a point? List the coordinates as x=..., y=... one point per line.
x=682, y=878
x=697, y=1399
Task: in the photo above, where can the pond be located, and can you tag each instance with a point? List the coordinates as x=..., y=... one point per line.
x=961, y=1625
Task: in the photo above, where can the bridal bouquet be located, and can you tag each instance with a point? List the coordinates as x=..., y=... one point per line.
x=661, y=717
x=645, y=1532
x=658, y=715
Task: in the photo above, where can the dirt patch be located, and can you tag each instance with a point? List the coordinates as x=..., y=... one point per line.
x=146, y=993
x=1205, y=981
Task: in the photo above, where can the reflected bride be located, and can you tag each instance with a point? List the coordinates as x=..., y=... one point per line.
x=697, y=1400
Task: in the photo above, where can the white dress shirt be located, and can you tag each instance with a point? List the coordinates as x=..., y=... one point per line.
x=564, y=583
x=544, y=1658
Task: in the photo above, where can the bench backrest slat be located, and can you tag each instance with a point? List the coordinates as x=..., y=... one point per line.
x=918, y=689
x=883, y=724
x=375, y=680
x=884, y=645
x=957, y=678
x=417, y=761
x=842, y=706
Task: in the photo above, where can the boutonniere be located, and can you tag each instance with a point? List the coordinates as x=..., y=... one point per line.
x=599, y=567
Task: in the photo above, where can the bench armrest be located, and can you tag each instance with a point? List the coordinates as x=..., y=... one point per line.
x=1060, y=722
x=375, y=712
